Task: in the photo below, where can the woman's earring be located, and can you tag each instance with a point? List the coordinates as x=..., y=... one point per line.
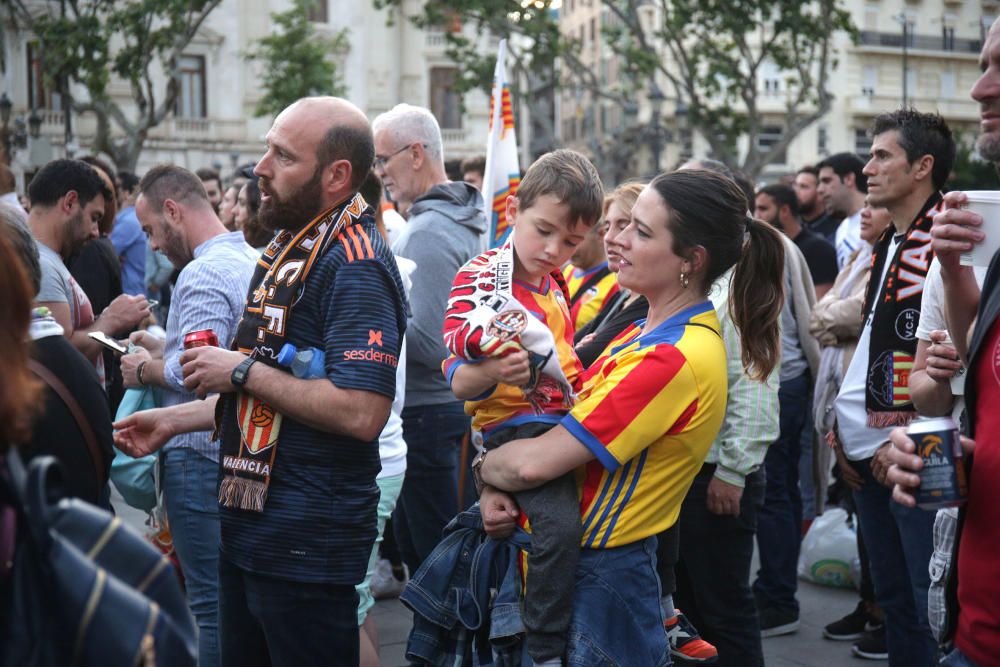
x=684, y=279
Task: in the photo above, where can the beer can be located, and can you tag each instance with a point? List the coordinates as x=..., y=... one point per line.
x=942, y=479
x=205, y=337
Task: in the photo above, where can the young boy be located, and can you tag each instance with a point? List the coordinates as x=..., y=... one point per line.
x=510, y=335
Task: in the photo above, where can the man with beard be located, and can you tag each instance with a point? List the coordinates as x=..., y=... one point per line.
x=67, y=202
x=215, y=269
x=298, y=528
x=446, y=228
x=811, y=206
x=911, y=156
x=971, y=622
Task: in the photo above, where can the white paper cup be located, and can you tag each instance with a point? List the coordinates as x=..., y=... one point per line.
x=987, y=204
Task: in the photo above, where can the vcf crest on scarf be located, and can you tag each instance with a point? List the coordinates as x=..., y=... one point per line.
x=250, y=441
x=484, y=319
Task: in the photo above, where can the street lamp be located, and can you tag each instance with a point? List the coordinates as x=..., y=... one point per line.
x=902, y=19
x=656, y=98
x=12, y=137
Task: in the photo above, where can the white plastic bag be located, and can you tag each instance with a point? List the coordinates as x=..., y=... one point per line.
x=829, y=554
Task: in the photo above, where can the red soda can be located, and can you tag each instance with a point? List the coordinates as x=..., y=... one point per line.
x=203, y=338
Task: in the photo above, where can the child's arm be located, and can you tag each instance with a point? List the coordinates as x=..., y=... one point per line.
x=471, y=380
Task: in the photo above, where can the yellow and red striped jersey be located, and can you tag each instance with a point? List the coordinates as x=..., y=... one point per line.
x=650, y=408
x=506, y=405
x=584, y=307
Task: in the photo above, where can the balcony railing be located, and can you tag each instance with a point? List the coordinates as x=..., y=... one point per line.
x=920, y=42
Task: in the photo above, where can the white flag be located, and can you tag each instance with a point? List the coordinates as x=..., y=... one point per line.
x=503, y=174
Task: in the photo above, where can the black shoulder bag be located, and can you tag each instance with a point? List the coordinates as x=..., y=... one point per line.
x=84, y=589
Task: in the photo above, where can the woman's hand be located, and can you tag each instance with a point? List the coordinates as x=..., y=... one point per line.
x=499, y=512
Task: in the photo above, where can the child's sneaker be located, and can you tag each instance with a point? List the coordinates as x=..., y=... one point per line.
x=686, y=645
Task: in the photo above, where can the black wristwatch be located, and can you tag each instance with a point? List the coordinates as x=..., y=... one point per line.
x=240, y=373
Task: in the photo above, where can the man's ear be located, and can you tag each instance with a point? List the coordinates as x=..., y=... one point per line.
x=923, y=167
x=69, y=200
x=419, y=155
x=171, y=211
x=337, y=176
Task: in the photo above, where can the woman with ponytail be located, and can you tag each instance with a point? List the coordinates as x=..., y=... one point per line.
x=652, y=405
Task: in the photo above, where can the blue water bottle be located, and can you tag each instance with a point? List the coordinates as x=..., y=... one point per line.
x=306, y=364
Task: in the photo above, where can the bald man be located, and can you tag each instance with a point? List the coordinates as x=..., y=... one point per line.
x=299, y=455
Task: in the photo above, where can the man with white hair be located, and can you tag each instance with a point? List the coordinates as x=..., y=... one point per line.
x=446, y=228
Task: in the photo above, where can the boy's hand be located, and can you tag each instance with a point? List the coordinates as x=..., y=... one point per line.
x=513, y=369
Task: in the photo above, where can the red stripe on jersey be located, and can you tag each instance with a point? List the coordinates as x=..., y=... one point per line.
x=591, y=483
x=646, y=380
x=684, y=418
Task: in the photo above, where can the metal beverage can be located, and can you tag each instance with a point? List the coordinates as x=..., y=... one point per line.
x=203, y=338
x=942, y=480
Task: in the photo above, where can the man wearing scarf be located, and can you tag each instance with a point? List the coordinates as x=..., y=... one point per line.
x=299, y=456
x=911, y=157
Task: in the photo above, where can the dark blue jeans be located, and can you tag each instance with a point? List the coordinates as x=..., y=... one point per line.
x=713, y=574
x=265, y=621
x=779, y=525
x=900, y=543
x=190, y=490
x=616, y=612
x=429, y=498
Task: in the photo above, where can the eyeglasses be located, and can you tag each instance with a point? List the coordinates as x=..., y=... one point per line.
x=381, y=162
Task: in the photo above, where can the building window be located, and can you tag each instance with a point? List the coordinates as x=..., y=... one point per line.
x=445, y=102
x=39, y=97
x=869, y=81
x=948, y=38
x=822, y=140
x=947, y=85
x=318, y=11
x=862, y=143
x=191, y=99
x=768, y=136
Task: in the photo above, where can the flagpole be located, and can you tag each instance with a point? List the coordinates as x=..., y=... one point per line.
x=492, y=139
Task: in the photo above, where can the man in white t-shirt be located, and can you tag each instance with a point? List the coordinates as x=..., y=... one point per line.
x=911, y=156
x=842, y=187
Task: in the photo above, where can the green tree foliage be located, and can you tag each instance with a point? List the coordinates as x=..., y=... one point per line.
x=87, y=42
x=969, y=172
x=531, y=58
x=296, y=62
x=712, y=53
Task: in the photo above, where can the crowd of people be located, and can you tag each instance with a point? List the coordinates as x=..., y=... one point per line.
x=570, y=445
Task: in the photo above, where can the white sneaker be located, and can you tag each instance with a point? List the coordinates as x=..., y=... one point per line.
x=384, y=584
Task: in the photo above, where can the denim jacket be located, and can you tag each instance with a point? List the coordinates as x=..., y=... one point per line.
x=466, y=598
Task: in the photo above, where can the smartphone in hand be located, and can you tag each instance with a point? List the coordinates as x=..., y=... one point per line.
x=108, y=342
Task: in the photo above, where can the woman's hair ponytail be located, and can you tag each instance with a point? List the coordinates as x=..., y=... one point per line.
x=756, y=296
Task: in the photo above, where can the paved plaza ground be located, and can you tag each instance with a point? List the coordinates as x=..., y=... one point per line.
x=805, y=648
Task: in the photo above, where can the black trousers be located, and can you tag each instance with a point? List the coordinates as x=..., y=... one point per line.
x=713, y=573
